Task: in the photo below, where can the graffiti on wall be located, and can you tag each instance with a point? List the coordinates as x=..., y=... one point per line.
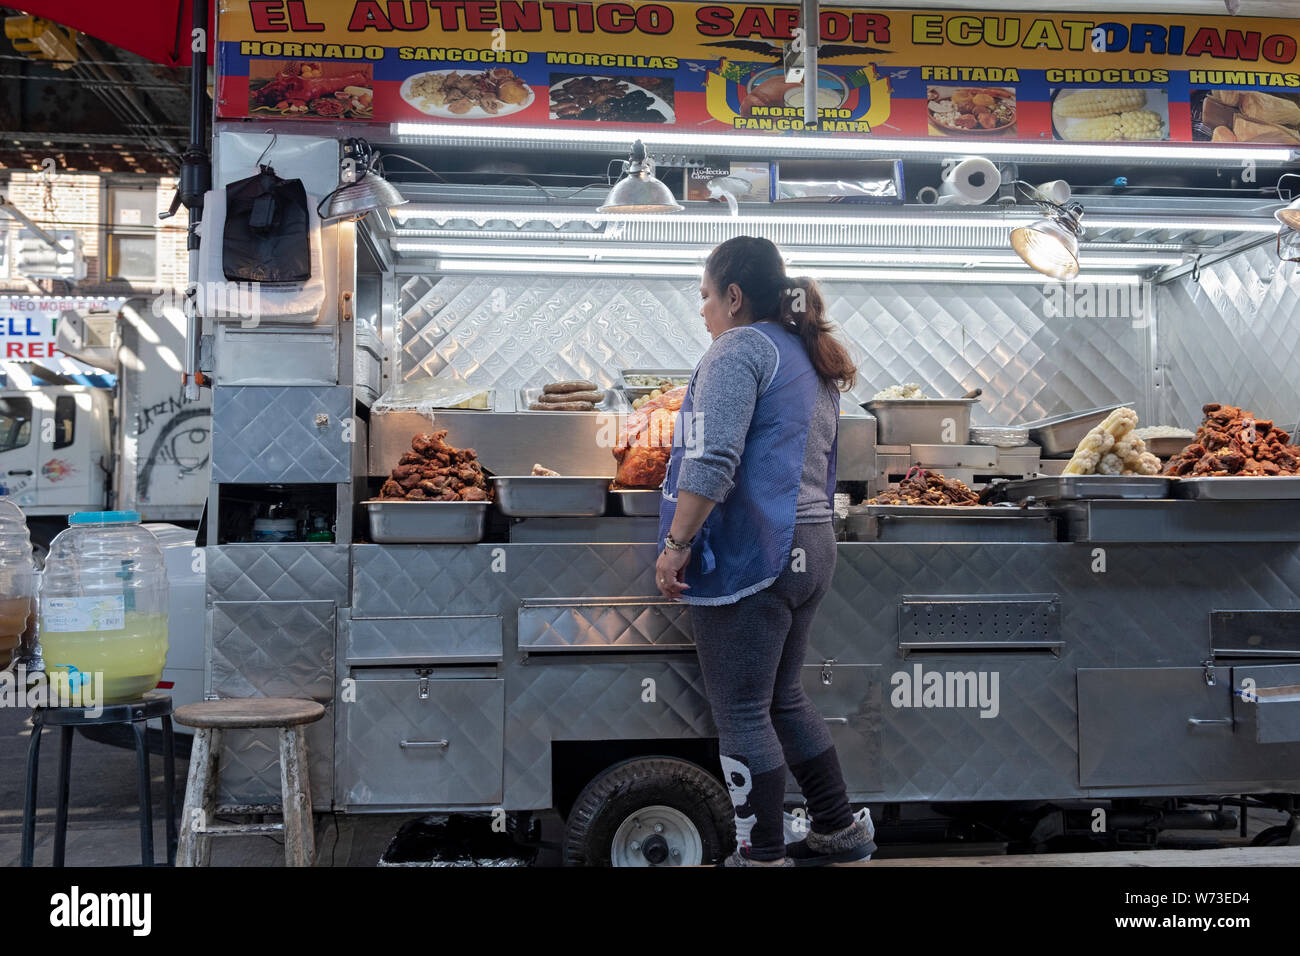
x=178, y=438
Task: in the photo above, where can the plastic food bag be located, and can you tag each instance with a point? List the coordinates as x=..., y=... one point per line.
x=431, y=393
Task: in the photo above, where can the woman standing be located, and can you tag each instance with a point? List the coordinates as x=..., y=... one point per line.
x=745, y=525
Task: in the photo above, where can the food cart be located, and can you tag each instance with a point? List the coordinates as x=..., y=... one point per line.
x=1133, y=652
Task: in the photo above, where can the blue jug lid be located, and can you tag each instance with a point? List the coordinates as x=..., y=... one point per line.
x=104, y=517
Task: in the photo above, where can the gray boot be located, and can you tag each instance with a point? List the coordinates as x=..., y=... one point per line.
x=850, y=844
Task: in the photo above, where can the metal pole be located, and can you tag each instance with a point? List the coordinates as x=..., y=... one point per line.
x=812, y=37
x=196, y=179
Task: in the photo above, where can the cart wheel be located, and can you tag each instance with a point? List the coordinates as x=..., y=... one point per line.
x=1273, y=836
x=650, y=811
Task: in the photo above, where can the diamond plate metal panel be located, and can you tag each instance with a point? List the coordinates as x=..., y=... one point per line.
x=423, y=742
x=597, y=700
x=511, y=331
x=277, y=572
x=1232, y=337
x=274, y=649
x=616, y=624
x=442, y=640
x=266, y=434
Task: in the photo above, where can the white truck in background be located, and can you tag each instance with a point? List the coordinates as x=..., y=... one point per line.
x=138, y=446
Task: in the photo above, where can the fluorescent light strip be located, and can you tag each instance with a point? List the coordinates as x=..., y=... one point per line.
x=563, y=250
x=673, y=270
x=815, y=143
x=417, y=211
x=1182, y=225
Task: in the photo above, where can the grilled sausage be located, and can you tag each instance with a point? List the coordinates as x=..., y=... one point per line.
x=563, y=407
x=593, y=397
x=556, y=388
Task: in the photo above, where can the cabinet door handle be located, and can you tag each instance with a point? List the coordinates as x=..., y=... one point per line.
x=27, y=472
x=409, y=744
x=1210, y=722
x=836, y=720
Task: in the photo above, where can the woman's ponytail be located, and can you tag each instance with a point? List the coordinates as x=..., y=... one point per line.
x=756, y=266
x=803, y=308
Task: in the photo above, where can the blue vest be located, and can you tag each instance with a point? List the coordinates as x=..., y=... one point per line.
x=745, y=542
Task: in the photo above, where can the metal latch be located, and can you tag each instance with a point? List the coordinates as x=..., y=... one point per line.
x=826, y=671
x=423, y=673
x=1209, y=672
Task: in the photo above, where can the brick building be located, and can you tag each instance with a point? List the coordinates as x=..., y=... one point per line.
x=127, y=249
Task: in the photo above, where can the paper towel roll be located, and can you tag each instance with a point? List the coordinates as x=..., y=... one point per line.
x=972, y=181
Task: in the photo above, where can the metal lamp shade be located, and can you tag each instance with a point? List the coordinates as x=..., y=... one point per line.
x=1048, y=247
x=372, y=191
x=1289, y=215
x=640, y=191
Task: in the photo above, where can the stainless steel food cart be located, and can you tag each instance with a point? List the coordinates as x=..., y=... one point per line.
x=1151, y=651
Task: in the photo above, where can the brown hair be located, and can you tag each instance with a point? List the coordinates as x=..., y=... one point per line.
x=756, y=266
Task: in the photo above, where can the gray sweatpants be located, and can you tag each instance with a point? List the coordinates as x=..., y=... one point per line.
x=751, y=656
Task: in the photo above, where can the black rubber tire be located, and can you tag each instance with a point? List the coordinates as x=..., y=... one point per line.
x=1273, y=836
x=625, y=787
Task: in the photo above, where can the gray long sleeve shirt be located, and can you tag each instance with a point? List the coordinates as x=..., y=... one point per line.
x=735, y=370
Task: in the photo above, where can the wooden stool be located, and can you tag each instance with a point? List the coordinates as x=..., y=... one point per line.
x=211, y=718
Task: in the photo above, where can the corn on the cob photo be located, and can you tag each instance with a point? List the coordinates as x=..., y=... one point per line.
x=1086, y=104
x=1130, y=125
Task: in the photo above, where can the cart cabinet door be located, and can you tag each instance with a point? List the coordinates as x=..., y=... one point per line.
x=848, y=698
x=425, y=741
x=1168, y=725
x=293, y=434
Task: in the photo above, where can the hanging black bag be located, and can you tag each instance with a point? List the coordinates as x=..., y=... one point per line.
x=266, y=234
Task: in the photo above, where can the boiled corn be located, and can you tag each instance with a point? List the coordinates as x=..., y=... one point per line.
x=1089, y=103
x=1131, y=125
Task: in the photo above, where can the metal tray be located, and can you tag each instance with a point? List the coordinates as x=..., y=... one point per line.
x=1080, y=487
x=639, y=502
x=529, y=395
x=542, y=496
x=1238, y=488
x=420, y=522
x=636, y=391
x=1060, y=435
x=1167, y=447
x=920, y=421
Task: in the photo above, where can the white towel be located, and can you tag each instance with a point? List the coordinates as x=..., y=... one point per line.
x=298, y=303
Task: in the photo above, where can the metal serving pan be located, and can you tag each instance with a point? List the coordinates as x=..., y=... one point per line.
x=639, y=502
x=420, y=522
x=1080, y=487
x=1060, y=435
x=1238, y=488
x=920, y=421
x=636, y=391
x=1167, y=447
x=547, y=496
x=528, y=396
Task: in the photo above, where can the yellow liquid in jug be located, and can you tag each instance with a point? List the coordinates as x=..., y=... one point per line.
x=130, y=659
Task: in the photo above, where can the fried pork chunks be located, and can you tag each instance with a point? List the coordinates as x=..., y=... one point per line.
x=435, y=471
x=927, y=488
x=1234, y=442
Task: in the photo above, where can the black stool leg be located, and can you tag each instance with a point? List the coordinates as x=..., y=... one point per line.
x=146, y=802
x=61, y=813
x=169, y=778
x=29, y=808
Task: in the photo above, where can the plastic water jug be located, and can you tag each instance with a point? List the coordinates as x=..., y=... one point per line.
x=103, y=606
x=17, y=581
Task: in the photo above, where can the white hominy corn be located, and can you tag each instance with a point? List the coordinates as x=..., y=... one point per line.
x=1089, y=103
x=1131, y=125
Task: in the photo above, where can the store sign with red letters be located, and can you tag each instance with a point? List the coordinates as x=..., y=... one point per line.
x=28, y=323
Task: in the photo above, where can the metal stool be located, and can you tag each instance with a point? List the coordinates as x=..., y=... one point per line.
x=137, y=713
x=211, y=718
